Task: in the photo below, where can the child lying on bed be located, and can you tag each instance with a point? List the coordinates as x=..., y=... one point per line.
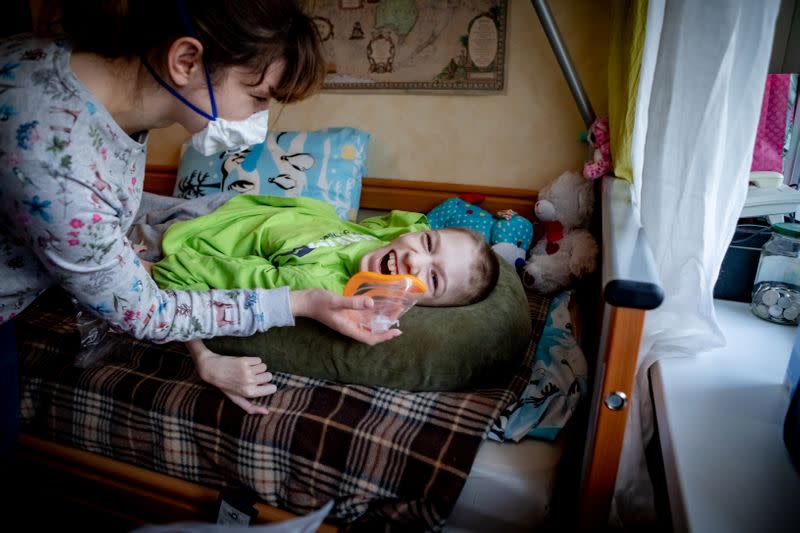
x=267, y=242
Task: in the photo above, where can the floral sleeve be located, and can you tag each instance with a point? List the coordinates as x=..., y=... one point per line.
x=73, y=227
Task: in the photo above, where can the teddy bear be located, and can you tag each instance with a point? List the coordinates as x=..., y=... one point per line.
x=509, y=234
x=567, y=251
x=600, y=139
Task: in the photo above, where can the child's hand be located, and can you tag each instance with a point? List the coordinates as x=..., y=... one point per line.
x=239, y=378
x=330, y=309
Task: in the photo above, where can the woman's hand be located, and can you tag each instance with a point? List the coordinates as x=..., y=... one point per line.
x=338, y=313
x=239, y=378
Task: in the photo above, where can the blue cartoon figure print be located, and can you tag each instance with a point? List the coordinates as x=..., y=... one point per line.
x=559, y=379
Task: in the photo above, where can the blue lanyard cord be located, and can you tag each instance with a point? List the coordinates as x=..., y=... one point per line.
x=180, y=97
x=172, y=91
x=192, y=33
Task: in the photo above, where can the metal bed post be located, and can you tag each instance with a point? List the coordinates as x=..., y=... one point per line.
x=564, y=60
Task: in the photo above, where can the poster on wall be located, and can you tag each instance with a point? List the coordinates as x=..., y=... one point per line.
x=413, y=45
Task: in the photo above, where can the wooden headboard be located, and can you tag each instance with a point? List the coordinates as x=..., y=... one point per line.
x=378, y=193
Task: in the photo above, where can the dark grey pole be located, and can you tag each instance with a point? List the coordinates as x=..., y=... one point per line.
x=562, y=55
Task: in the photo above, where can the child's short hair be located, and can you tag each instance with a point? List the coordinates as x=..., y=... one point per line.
x=485, y=269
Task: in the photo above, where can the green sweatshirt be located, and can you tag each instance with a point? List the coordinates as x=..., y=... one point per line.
x=268, y=242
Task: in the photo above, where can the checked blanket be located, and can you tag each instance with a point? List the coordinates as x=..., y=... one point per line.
x=390, y=459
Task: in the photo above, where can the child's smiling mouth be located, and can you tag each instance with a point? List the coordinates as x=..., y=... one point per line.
x=388, y=264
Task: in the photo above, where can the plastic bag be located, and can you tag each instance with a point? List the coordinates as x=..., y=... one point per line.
x=393, y=295
x=95, y=336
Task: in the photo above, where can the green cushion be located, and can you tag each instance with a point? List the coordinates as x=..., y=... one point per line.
x=441, y=348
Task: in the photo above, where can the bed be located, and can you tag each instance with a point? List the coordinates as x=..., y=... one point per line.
x=134, y=487
x=90, y=435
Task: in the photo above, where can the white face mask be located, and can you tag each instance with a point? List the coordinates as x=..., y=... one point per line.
x=220, y=134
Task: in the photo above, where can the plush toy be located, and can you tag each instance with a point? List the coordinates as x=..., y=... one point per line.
x=567, y=251
x=600, y=140
x=510, y=234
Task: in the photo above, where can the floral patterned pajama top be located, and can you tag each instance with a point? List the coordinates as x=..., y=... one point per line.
x=70, y=186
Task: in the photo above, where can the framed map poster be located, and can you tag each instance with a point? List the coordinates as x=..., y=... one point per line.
x=413, y=45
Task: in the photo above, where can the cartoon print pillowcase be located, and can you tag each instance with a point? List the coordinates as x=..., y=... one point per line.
x=558, y=381
x=324, y=164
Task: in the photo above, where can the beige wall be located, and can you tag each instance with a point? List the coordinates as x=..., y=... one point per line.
x=522, y=138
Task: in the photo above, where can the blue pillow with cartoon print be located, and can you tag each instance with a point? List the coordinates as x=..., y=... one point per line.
x=325, y=164
x=558, y=382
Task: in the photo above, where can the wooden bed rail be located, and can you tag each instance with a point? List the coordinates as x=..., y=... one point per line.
x=379, y=193
x=630, y=286
x=134, y=496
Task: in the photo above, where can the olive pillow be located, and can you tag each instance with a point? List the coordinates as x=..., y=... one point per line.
x=441, y=348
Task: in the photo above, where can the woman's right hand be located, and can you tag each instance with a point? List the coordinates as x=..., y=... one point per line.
x=338, y=313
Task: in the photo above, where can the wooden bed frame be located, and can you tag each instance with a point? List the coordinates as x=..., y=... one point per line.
x=130, y=495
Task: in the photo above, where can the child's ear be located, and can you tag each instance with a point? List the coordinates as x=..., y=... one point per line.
x=185, y=61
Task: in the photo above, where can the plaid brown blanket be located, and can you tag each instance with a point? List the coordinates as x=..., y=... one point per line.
x=385, y=456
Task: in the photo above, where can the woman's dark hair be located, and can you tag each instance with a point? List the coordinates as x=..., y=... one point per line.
x=249, y=33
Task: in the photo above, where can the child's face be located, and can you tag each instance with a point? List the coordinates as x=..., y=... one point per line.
x=442, y=259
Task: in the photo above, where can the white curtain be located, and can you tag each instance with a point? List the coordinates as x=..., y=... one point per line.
x=701, y=83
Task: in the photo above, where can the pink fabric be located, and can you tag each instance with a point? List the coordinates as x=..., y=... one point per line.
x=768, y=151
x=600, y=139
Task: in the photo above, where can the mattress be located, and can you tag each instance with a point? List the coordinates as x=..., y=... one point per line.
x=509, y=488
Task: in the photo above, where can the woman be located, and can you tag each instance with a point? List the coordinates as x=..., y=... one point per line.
x=75, y=116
